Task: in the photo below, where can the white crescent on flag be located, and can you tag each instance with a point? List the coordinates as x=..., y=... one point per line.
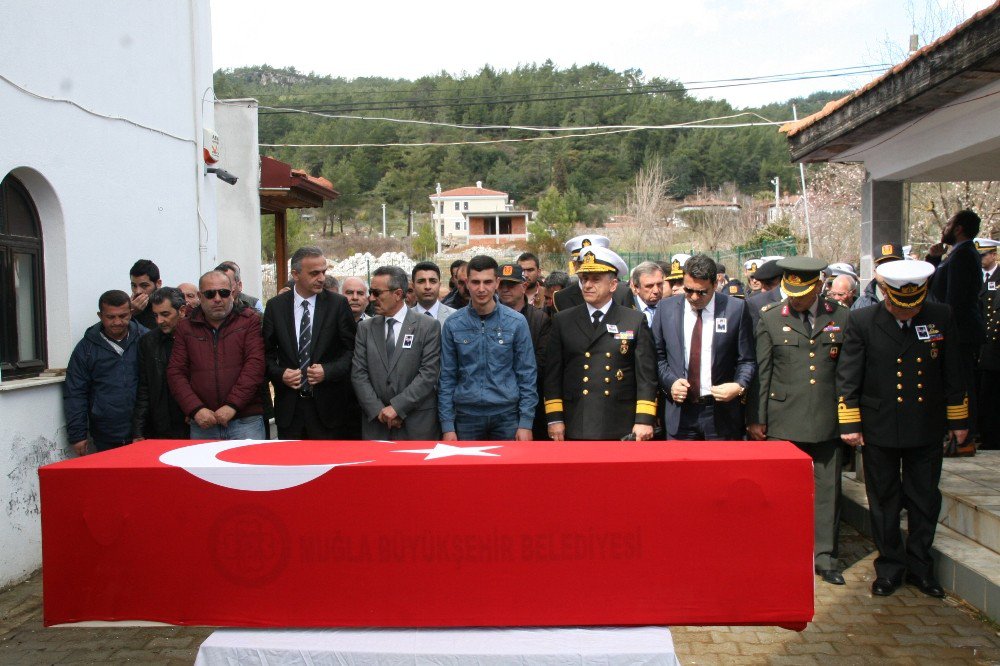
x=202, y=460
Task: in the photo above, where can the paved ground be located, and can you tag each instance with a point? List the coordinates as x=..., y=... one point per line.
x=851, y=627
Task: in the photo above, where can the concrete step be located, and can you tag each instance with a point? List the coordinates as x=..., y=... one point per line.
x=966, y=568
x=970, y=489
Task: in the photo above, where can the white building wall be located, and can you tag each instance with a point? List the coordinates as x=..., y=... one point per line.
x=108, y=191
x=239, y=204
x=477, y=204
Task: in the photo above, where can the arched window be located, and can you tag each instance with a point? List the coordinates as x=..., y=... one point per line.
x=22, y=306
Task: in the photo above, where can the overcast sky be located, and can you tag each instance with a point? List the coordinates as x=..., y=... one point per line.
x=693, y=40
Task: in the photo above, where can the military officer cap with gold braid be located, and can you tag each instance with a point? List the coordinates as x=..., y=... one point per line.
x=800, y=275
x=751, y=265
x=676, y=270
x=576, y=244
x=888, y=252
x=596, y=259
x=905, y=281
x=984, y=245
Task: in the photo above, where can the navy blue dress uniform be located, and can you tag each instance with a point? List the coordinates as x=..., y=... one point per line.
x=600, y=381
x=988, y=371
x=571, y=295
x=796, y=397
x=900, y=385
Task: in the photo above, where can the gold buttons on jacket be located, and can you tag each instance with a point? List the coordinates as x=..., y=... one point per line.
x=898, y=374
x=920, y=373
x=586, y=379
x=587, y=354
x=920, y=385
x=607, y=393
x=920, y=399
x=813, y=368
x=586, y=367
x=607, y=380
x=608, y=354
x=812, y=354
x=608, y=368
x=899, y=386
x=899, y=399
x=920, y=360
x=586, y=392
x=899, y=360
x=812, y=381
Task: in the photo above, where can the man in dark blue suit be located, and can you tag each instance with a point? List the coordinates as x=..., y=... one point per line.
x=706, y=358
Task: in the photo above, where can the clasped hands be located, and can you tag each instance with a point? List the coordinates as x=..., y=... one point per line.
x=721, y=393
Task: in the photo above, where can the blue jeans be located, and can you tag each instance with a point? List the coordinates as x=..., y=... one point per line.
x=250, y=427
x=496, y=427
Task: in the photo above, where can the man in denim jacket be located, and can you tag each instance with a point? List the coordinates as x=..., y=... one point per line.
x=487, y=388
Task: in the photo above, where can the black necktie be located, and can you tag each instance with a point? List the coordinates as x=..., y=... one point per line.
x=807, y=320
x=428, y=313
x=305, y=337
x=390, y=340
x=597, y=318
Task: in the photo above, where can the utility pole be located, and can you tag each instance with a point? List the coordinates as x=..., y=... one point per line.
x=776, y=181
x=383, y=222
x=805, y=196
x=438, y=218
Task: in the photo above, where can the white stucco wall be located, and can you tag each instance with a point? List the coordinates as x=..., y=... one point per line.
x=477, y=204
x=239, y=204
x=108, y=191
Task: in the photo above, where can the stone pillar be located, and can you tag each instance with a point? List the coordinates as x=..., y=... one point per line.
x=883, y=219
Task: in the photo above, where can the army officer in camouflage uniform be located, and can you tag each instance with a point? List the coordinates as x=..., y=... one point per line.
x=600, y=365
x=798, y=345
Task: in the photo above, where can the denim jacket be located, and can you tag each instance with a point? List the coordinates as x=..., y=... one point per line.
x=487, y=366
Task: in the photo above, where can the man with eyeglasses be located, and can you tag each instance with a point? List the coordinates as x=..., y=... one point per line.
x=217, y=365
x=397, y=358
x=706, y=358
x=309, y=345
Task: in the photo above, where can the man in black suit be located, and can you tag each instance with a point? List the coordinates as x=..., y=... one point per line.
x=900, y=389
x=309, y=345
x=705, y=352
x=957, y=282
x=988, y=376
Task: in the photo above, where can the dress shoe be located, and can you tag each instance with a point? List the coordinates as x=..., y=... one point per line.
x=883, y=587
x=928, y=586
x=831, y=576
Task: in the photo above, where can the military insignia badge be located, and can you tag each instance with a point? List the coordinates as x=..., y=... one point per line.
x=934, y=353
x=619, y=375
x=624, y=349
x=586, y=242
x=834, y=352
x=508, y=270
x=887, y=250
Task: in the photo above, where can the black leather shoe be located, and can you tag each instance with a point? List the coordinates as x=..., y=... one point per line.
x=928, y=586
x=832, y=576
x=883, y=587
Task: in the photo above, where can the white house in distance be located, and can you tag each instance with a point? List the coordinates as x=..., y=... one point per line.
x=477, y=215
x=105, y=106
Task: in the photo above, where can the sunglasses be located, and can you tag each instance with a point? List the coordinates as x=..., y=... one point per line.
x=691, y=292
x=378, y=292
x=210, y=293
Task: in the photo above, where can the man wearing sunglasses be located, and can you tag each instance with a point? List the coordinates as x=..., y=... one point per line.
x=309, y=344
x=217, y=366
x=706, y=358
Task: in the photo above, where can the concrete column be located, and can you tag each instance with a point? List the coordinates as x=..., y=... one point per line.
x=883, y=219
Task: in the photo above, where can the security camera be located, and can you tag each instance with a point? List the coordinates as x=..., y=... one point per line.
x=222, y=175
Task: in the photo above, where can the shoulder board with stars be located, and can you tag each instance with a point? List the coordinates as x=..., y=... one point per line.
x=765, y=308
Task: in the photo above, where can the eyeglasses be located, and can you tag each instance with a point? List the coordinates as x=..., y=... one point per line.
x=224, y=293
x=378, y=292
x=691, y=292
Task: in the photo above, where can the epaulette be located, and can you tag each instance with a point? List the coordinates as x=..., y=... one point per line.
x=765, y=308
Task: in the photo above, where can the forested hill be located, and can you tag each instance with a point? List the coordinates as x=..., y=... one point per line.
x=600, y=168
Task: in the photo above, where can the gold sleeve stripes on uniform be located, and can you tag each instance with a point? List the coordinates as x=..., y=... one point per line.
x=847, y=414
x=552, y=406
x=647, y=407
x=959, y=412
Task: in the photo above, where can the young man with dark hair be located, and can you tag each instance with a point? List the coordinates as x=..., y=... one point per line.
x=488, y=386
x=156, y=414
x=531, y=269
x=102, y=376
x=145, y=279
x=426, y=278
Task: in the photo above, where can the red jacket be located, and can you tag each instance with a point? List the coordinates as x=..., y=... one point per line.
x=211, y=368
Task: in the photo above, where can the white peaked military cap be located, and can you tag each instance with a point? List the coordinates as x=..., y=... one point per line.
x=905, y=281
x=751, y=265
x=842, y=268
x=597, y=259
x=771, y=257
x=574, y=245
x=986, y=245
x=681, y=258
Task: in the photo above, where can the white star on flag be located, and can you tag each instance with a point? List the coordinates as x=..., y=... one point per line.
x=442, y=450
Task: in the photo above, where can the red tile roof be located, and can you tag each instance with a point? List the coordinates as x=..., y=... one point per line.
x=793, y=128
x=470, y=192
x=318, y=180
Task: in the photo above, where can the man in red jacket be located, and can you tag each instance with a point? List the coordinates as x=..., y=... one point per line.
x=217, y=366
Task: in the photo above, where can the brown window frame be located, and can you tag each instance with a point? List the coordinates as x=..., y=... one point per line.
x=11, y=365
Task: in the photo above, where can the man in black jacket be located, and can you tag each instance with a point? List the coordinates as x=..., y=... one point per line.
x=156, y=414
x=957, y=282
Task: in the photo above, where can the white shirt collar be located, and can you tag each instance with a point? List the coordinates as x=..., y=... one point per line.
x=432, y=309
x=299, y=299
x=709, y=309
x=401, y=315
x=604, y=309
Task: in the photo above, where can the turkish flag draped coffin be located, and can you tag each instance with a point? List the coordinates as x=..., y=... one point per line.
x=426, y=534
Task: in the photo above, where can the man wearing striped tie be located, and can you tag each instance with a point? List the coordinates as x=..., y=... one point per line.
x=309, y=345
